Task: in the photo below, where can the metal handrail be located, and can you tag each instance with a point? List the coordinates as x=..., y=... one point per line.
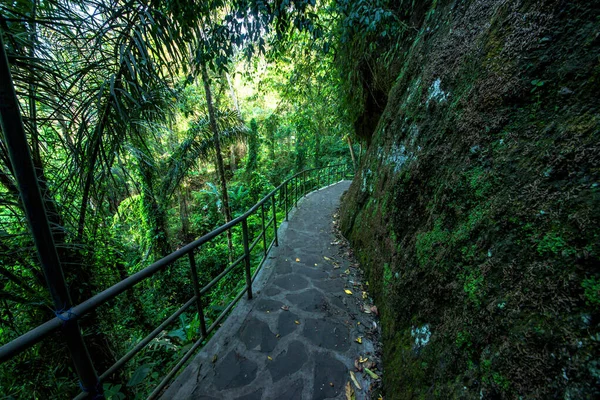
x=37, y=334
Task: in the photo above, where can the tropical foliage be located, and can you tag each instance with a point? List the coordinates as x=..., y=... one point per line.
x=150, y=124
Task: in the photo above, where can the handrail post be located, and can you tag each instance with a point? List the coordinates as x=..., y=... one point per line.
x=264, y=230
x=247, y=257
x=285, y=187
x=275, y=221
x=37, y=218
x=319, y=178
x=304, y=183
x=296, y=190
x=194, y=273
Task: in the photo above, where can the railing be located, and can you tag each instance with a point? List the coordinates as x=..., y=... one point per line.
x=287, y=195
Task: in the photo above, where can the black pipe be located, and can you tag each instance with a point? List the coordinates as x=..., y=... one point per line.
x=33, y=204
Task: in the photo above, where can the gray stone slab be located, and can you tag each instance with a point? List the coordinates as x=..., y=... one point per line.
x=291, y=282
x=234, y=371
x=310, y=300
x=310, y=272
x=289, y=361
x=329, y=334
x=256, y=395
x=286, y=323
x=272, y=291
x=292, y=391
x=330, y=285
x=265, y=305
x=329, y=378
x=256, y=335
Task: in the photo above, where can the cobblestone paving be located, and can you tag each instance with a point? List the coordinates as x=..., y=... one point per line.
x=297, y=338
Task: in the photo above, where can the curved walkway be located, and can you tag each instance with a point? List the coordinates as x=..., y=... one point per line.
x=297, y=338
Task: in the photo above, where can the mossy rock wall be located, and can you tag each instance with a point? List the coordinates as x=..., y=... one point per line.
x=476, y=211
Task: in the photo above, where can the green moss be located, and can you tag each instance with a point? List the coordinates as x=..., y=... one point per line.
x=387, y=275
x=428, y=241
x=463, y=339
x=473, y=286
x=592, y=291
x=554, y=243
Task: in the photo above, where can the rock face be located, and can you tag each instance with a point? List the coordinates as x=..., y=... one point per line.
x=476, y=211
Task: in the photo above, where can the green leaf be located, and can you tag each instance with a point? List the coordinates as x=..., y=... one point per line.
x=139, y=375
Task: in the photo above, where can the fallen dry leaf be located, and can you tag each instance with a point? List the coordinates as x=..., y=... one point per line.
x=327, y=258
x=278, y=336
x=331, y=384
x=374, y=310
x=297, y=322
x=214, y=359
x=270, y=358
x=349, y=391
x=353, y=377
x=285, y=308
x=364, y=294
x=358, y=340
x=297, y=260
x=347, y=272
x=349, y=293
x=362, y=360
x=366, y=309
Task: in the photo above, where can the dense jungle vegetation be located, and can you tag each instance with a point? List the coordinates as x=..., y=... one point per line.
x=118, y=99
x=472, y=127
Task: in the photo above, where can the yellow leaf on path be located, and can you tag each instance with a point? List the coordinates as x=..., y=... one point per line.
x=362, y=360
x=347, y=272
x=327, y=258
x=353, y=377
x=371, y=373
x=359, y=340
x=297, y=322
x=349, y=391
x=365, y=295
x=348, y=292
x=270, y=358
x=297, y=260
x=380, y=397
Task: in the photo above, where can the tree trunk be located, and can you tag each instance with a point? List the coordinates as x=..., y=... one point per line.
x=219, y=156
x=236, y=104
x=351, y=151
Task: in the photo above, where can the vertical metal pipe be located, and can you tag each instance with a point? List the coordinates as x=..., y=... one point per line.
x=296, y=190
x=247, y=257
x=275, y=220
x=264, y=230
x=33, y=204
x=285, y=187
x=194, y=273
x=304, y=183
x=318, y=172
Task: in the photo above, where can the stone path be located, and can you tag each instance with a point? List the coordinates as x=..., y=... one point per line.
x=305, y=350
